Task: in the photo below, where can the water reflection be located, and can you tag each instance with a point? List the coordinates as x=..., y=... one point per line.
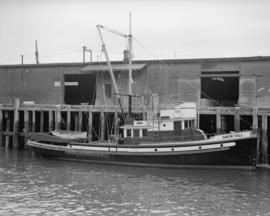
x=33, y=186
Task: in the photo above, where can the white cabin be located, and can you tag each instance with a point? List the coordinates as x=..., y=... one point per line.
x=179, y=118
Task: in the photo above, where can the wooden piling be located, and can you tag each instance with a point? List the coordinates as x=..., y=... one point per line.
x=255, y=118
x=236, y=119
x=102, y=124
x=218, y=120
x=50, y=120
x=68, y=118
x=1, y=125
x=58, y=118
x=7, y=129
x=33, y=121
x=41, y=120
x=255, y=127
x=26, y=126
x=80, y=119
x=264, y=152
x=16, y=123
x=76, y=121
x=90, y=126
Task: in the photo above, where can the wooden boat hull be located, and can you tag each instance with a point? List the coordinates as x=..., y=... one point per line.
x=229, y=153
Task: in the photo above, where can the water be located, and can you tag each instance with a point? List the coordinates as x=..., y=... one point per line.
x=39, y=186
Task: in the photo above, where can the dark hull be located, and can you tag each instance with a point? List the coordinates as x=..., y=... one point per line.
x=243, y=154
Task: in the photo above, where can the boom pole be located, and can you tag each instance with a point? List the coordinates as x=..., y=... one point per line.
x=108, y=61
x=110, y=68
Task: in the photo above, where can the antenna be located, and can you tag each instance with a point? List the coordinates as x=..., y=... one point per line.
x=36, y=53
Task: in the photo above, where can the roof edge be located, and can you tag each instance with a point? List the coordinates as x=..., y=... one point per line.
x=192, y=60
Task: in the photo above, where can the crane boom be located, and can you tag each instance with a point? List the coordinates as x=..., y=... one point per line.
x=108, y=61
x=112, y=31
x=129, y=36
x=110, y=70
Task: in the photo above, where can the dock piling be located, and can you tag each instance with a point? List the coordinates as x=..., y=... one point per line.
x=1, y=125
x=264, y=140
x=16, y=123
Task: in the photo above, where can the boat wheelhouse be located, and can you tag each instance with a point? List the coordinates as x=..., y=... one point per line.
x=177, y=124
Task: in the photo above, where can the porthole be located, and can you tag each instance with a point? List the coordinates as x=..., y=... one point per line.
x=155, y=150
x=221, y=145
x=172, y=149
x=200, y=147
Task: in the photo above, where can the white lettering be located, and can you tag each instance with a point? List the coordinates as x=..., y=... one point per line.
x=71, y=83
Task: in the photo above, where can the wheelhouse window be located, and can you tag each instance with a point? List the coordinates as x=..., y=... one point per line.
x=186, y=124
x=136, y=133
x=108, y=90
x=128, y=132
x=144, y=132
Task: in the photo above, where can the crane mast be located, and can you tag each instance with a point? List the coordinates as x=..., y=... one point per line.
x=129, y=36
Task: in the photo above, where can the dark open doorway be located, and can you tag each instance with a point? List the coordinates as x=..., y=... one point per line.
x=80, y=88
x=223, y=90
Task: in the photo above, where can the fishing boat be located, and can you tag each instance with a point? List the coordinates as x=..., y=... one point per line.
x=171, y=138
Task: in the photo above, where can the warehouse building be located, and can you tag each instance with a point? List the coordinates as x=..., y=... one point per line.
x=228, y=82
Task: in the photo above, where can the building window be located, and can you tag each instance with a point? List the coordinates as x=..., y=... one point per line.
x=108, y=90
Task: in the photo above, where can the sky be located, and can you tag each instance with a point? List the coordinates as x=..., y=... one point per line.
x=171, y=29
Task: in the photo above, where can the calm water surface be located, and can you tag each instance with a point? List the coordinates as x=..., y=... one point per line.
x=39, y=186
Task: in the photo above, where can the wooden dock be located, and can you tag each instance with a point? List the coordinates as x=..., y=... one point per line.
x=19, y=121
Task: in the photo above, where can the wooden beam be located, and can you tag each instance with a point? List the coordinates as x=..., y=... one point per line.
x=264, y=156
x=16, y=123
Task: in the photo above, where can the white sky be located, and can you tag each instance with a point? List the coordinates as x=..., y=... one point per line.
x=168, y=29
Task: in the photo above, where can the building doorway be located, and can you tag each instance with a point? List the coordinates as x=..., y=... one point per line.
x=220, y=88
x=80, y=89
